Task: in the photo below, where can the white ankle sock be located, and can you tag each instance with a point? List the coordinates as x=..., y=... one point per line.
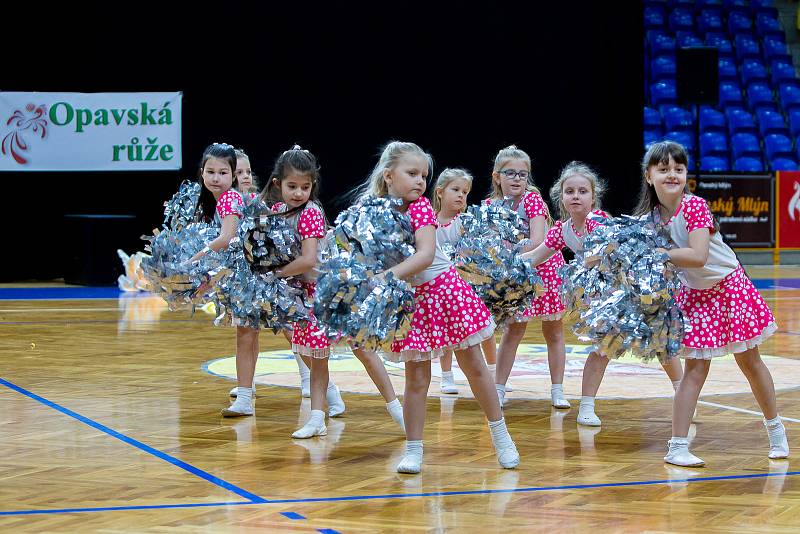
x=588, y=402
x=772, y=422
x=246, y=394
x=305, y=373
x=317, y=418
x=414, y=448
x=676, y=384
x=447, y=376
x=557, y=388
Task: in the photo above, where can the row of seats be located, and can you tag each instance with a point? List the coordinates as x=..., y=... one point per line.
x=740, y=47
x=732, y=121
x=756, y=96
x=775, y=73
x=763, y=23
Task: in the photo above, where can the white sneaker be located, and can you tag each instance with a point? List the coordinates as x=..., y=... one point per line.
x=506, y=451
x=501, y=394
x=335, y=403
x=678, y=454
x=778, y=444
x=559, y=401
x=588, y=419
x=411, y=464
x=396, y=411
x=447, y=384
x=234, y=392
x=240, y=407
x=310, y=430
x=305, y=388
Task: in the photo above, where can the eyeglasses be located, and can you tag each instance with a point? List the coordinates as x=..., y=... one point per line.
x=515, y=176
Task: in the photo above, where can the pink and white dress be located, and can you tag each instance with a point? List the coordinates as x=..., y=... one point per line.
x=563, y=234
x=725, y=311
x=308, y=341
x=229, y=203
x=448, y=313
x=548, y=305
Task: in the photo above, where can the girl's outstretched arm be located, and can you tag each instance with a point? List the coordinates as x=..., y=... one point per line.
x=696, y=254
x=230, y=223
x=302, y=264
x=425, y=244
x=538, y=255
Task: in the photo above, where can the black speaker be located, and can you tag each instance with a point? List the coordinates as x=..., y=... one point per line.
x=697, y=72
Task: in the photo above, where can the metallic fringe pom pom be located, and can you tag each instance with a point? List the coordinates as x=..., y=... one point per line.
x=269, y=240
x=180, y=210
x=623, y=290
x=350, y=301
x=487, y=256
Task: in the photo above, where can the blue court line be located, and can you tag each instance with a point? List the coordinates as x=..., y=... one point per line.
x=328, y=531
x=59, y=293
x=138, y=444
x=292, y=515
x=410, y=495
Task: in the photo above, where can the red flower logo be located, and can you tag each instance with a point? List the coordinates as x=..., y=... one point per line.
x=14, y=143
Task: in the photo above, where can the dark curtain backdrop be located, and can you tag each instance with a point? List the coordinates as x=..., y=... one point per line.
x=563, y=81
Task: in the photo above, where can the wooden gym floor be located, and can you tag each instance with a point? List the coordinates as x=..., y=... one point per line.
x=109, y=422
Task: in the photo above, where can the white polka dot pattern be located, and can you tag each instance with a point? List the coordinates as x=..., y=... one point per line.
x=229, y=203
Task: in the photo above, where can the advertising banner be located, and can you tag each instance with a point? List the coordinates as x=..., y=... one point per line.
x=90, y=131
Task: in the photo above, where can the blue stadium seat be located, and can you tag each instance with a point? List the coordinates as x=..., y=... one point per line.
x=684, y=138
x=687, y=39
x=771, y=122
x=663, y=93
x=759, y=96
x=753, y=70
x=745, y=145
x=714, y=144
x=703, y=4
x=776, y=49
x=741, y=121
x=662, y=45
x=662, y=68
x=790, y=97
x=652, y=118
x=714, y=164
x=746, y=47
x=709, y=20
x=767, y=26
x=794, y=123
x=782, y=72
x=730, y=94
x=712, y=120
x=653, y=18
x=677, y=119
x=783, y=164
x=748, y=164
x=735, y=6
x=778, y=146
x=727, y=70
x=681, y=19
x=721, y=42
x=739, y=23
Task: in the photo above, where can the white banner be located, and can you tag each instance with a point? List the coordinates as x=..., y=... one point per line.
x=90, y=131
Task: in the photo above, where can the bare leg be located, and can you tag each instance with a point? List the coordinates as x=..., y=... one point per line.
x=553, y=332
x=377, y=372
x=489, y=348
x=507, y=352
x=593, y=372
x=446, y=361
x=673, y=369
x=418, y=379
x=246, y=355
x=319, y=382
x=760, y=380
x=694, y=376
x=480, y=380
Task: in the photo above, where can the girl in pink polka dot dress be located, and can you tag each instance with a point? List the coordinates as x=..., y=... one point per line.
x=512, y=178
x=221, y=203
x=447, y=312
x=449, y=199
x=294, y=183
x=577, y=193
x=724, y=310
x=249, y=190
